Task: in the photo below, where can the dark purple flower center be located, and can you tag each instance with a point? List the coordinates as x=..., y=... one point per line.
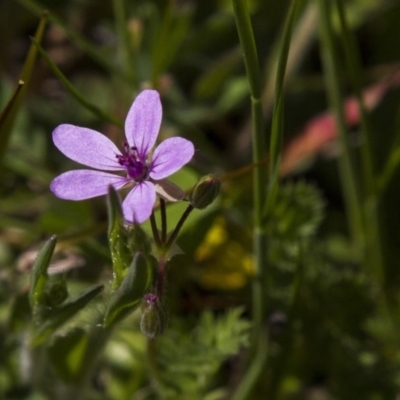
x=134, y=166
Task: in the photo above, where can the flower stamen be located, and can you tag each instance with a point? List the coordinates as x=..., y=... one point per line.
x=130, y=161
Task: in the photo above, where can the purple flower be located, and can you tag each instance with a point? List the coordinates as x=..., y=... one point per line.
x=142, y=168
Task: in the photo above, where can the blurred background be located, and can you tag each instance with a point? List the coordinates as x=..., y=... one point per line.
x=189, y=51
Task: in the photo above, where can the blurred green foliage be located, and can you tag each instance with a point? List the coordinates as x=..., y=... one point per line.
x=329, y=334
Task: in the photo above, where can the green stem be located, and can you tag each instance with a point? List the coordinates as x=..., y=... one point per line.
x=353, y=66
x=373, y=254
x=277, y=120
x=277, y=131
x=178, y=227
x=161, y=277
x=163, y=212
x=389, y=169
x=154, y=230
x=349, y=179
x=363, y=216
x=75, y=92
x=259, y=345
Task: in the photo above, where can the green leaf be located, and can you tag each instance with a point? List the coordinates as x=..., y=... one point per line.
x=190, y=356
x=128, y=296
x=67, y=355
x=63, y=313
x=39, y=277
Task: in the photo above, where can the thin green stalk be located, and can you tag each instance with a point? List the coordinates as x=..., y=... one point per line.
x=362, y=215
x=374, y=253
x=389, y=170
x=393, y=160
x=75, y=92
x=349, y=178
x=154, y=230
x=161, y=276
x=163, y=211
x=374, y=249
x=278, y=112
x=353, y=66
x=259, y=348
x=178, y=227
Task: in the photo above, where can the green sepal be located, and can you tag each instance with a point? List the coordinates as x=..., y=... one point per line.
x=67, y=354
x=128, y=296
x=61, y=314
x=39, y=276
x=121, y=253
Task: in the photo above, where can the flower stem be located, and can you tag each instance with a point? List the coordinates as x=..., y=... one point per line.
x=163, y=212
x=259, y=345
x=160, y=277
x=178, y=227
x=154, y=230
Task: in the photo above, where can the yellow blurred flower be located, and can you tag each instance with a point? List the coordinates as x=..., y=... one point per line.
x=225, y=262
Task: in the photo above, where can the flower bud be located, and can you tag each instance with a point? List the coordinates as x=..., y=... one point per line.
x=154, y=317
x=205, y=192
x=57, y=292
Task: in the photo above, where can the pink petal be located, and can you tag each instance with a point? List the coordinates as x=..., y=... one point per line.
x=84, y=184
x=170, y=156
x=143, y=122
x=86, y=147
x=138, y=205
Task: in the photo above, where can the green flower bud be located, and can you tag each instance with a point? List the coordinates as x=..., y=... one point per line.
x=154, y=317
x=205, y=192
x=57, y=292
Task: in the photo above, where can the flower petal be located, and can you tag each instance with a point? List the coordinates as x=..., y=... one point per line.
x=143, y=122
x=87, y=147
x=138, y=204
x=84, y=184
x=171, y=155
